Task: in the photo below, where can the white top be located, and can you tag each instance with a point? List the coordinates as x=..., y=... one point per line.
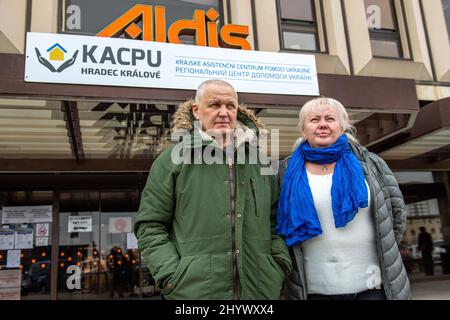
x=342, y=260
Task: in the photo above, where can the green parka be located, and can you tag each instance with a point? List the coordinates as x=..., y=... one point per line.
x=207, y=231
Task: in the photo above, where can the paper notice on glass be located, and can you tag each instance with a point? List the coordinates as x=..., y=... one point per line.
x=27, y=214
x=40, y=213
x=80, y=224
x=42, y=229
x=6, y=240
x=24, y=239
x=120, y=225
x=131, y=241
x=41, y=241
x=13, y=259
x=10, y=284
x=17, y=215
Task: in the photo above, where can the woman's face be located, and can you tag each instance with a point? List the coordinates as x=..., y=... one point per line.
x=322, y=128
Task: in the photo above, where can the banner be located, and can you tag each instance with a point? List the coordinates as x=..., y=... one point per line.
x=74, y=59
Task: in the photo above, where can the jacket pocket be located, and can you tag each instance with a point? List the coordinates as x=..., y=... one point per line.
x=255, y=198
x=191, y=280
x=179, y=272
x=270, y=277
x=261, y=195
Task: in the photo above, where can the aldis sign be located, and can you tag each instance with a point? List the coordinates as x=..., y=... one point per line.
x=204, y=26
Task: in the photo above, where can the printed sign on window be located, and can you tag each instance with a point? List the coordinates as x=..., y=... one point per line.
x=120, y=225
x=80, y=224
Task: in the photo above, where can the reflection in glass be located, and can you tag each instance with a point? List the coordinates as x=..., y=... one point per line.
x=78, y=254
x=105, y=254
x=33, y=255
x=96, y=15
x=299, y=41
x=386, y=10
x=385, y=48
x=446, y=8
x=301, y=10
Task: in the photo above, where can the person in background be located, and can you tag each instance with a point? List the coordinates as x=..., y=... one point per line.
x=425, y=245
x=341, y=212
x=116, y=262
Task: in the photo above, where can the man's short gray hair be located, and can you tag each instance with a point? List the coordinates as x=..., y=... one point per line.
x=204, y=84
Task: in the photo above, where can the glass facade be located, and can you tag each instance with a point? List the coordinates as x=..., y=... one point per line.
x=30, y=246
x=385, y=48
x=97, y=256
x=90, y=17
x=299, y=41
x=446, y=8
x=298, y=25
x=105, y=254
x=383, y=28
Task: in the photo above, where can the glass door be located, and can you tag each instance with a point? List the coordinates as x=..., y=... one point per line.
x=128, y=277
x=98, y=255
x=25, y=244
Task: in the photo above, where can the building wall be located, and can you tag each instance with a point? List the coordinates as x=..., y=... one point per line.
x=12, y=26
x=342, y=30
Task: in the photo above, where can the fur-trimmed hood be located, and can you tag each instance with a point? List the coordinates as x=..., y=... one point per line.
x=184, y=119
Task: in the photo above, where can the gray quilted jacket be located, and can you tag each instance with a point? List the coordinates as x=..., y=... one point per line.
x=389, y=213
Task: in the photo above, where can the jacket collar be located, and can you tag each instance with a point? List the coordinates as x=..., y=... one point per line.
x=248, y=126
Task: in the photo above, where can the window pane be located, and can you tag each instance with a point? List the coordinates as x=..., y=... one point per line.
x=299, y=41
x=446, y=8
x=384, y=14
x=33, y=255
x=297, y=10
x=385, y=48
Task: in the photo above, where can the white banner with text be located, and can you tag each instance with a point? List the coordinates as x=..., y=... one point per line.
x=87, y=60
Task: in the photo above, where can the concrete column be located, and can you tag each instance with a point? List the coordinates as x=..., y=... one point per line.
x=436, y=27
x=267, y=25
x=13, y=16
x=44, y=16
x=358, y=34
x=241, y=13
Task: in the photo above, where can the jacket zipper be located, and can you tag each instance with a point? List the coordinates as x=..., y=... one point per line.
x=236, y=293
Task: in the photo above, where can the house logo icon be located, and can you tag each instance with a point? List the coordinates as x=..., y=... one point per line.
x=56, y=54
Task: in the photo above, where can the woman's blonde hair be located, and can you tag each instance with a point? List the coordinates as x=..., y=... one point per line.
x=348, y=129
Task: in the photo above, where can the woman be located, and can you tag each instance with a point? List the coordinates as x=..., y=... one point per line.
x=341, y=212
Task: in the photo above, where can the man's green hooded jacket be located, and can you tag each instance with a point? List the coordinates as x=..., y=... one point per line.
x=207, y=231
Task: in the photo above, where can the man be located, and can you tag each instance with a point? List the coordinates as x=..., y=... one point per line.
x=206, y=229
x=425, y=245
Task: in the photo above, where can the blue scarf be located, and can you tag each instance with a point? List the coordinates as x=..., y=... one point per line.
x=297, y=215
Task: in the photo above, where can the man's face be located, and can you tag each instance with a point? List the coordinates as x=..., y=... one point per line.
x=217, y=108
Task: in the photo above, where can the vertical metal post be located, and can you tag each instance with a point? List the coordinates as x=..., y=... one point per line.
x=100, y=246
x=55, y=246
x=140, y=275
